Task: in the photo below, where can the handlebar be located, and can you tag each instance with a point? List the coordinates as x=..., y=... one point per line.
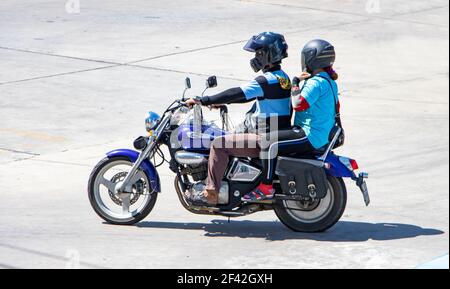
x=182, y=103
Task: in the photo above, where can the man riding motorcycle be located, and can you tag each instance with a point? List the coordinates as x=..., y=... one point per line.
x=272, y=111
x=315, y=105
x=311, y=194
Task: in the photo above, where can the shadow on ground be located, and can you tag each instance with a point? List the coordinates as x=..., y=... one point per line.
x=274, y=231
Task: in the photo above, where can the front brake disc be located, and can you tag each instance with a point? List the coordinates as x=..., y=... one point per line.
x=139, y=188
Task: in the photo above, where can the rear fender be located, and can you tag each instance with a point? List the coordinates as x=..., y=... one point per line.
x=146, y=166
x=338, y=169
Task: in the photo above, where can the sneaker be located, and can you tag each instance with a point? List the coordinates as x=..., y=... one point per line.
x=261, y=193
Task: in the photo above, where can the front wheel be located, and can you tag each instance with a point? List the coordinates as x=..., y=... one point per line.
x=316, y=216
x=120, y=209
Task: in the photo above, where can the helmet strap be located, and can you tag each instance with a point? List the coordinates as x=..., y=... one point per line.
x=272, y=67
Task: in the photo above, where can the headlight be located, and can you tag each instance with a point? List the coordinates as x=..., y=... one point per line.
x=151, y=121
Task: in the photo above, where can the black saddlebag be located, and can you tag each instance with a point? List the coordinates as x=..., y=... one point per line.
x=305, y=178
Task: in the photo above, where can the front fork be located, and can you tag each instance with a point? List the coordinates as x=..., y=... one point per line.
x=125, y=187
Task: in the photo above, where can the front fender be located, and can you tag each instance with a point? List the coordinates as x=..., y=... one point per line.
x=146, y=165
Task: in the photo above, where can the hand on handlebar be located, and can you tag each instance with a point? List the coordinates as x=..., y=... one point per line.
x=191, y=102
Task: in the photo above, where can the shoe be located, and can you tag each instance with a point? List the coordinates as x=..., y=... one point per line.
x=204, y=199
x=261, y=193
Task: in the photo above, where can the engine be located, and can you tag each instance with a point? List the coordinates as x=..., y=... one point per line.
x=196, y=165
x=198, y=173
x=224, y=194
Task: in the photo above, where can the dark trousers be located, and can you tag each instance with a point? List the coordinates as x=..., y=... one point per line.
x=283, y=142
x=266, y=147
x=222, y=148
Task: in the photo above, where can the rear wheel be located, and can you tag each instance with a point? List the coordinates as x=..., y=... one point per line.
x=125, y=209
x=316, y=216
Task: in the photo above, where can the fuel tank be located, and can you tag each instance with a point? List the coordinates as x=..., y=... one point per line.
x=194, y=141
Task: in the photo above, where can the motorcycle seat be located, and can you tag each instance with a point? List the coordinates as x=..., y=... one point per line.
x=313, y=155
x=320, y=151
x=310, y=155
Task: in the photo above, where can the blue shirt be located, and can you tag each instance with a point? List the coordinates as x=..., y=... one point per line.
x=318, y=120
x=273, y=99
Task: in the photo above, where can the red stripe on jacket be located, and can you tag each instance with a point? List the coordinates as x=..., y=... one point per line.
x=302, y=105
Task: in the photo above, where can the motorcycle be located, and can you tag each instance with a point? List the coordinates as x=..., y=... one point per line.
x=310, y=196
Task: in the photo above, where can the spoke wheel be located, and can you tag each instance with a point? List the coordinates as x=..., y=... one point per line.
x=314, y=216
x=120, y=208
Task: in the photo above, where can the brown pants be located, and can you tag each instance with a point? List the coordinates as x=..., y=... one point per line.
x=222, y=148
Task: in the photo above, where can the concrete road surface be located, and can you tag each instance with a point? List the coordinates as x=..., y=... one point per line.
x=77, y=77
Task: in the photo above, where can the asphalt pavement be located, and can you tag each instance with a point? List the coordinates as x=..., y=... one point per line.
x=77, y=77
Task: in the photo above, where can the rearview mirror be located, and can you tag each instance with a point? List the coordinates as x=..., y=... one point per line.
x=211, y=82
x=188, y=83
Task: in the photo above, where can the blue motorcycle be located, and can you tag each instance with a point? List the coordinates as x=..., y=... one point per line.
x=311, y=195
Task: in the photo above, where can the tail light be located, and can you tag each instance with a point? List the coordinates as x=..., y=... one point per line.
x=354, y=164
x=349, y=163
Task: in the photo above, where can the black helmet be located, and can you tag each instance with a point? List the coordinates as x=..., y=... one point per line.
x=270, y=48
x=317, y=54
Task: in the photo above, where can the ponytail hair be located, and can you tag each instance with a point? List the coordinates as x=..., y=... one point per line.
x=332, y=73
